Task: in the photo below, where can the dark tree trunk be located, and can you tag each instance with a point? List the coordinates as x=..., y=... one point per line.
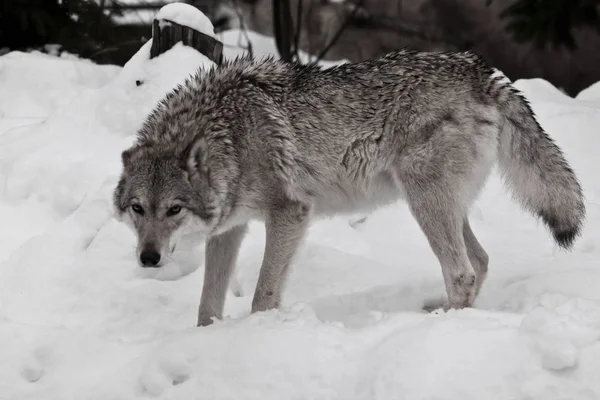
x=282, y=26
x=166, y=34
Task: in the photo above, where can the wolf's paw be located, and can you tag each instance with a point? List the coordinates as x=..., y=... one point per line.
x=435, y=305
x=461, y=294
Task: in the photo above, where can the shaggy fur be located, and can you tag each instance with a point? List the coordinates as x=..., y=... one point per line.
x=284, y=143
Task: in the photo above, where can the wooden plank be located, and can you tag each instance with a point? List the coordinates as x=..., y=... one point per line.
x=166, y=33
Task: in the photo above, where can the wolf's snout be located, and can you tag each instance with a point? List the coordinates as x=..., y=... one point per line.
x=149, y=258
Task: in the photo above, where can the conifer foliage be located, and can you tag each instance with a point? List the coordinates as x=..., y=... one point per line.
x=550, y=22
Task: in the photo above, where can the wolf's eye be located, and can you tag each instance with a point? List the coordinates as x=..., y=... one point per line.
x=173, y=211
x=137, y=209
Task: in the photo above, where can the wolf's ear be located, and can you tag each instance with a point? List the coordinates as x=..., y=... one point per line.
x=126, y=157
x=119, y=202
x=195, y=160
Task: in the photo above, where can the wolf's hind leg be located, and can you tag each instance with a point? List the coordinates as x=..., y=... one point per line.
x=441, y=219
x=477, y=255
x=285, y=228
x=221, y=255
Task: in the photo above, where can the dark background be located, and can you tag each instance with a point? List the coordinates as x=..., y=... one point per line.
x=558, y=40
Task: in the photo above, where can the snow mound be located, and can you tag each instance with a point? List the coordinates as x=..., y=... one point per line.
x=35, y=85
x=39, y=83
x=79, y=319
x=591, y=93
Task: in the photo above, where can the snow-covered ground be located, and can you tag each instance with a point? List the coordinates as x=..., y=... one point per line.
x=80, y=320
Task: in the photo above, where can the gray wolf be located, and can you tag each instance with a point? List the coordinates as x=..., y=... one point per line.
x=285, y=143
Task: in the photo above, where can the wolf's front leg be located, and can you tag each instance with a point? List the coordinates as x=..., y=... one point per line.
x=285, y=228
x=221, y=255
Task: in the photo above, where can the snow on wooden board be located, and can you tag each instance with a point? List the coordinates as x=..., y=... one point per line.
x=187, y=15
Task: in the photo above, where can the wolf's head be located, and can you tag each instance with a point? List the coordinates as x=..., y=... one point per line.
x=162, y=195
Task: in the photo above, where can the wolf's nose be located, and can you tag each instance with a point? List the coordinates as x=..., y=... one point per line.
x=149, y=258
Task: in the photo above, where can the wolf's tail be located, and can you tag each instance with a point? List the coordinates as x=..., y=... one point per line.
x=535, y=168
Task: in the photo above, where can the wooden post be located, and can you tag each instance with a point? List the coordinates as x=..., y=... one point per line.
x=166, y=34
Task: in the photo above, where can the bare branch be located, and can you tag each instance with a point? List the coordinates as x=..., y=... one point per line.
x=155, y=5
x=240, y=16
x=282, y=20
x=298, y=30
x=115, y=47
x=339, y=32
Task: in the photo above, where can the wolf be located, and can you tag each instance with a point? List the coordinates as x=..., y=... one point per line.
x=285, y=143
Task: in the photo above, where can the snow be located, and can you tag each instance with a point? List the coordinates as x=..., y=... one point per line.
x=590, y=94
x=51, y=82
x=187, y=15
x=79, y=319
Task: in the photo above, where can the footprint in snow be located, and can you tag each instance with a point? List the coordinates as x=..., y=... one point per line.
x=160, y=376
x=32, y=372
